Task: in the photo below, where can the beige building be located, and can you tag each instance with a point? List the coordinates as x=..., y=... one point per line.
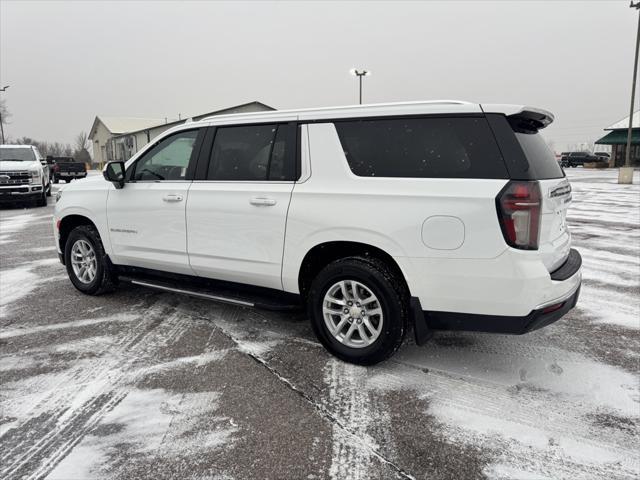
x=119, y=138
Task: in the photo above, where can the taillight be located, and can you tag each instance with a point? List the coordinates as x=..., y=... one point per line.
x=519, y=213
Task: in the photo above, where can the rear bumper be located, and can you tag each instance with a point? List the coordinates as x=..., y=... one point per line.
x=70, y=174
x=566, y=279
x=501, y=324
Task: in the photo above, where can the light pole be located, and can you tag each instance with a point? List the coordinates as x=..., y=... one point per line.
x=625, y=174
x=360, y=74
x=1, y=125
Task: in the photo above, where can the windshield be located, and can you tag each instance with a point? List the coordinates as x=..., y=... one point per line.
x=17, y=154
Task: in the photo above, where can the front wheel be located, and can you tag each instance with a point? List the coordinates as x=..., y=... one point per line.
x=42, y=198
x=359, y=309
x=88, y=266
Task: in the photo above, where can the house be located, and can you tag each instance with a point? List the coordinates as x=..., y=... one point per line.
x=617, y=138
x=119, y=138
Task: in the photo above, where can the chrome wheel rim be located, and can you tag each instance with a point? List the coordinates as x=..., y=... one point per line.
x=84, y=261
x=352, y=314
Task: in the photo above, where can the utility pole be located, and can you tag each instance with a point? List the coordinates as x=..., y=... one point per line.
x=360, y=74
x=625, y=174
x=1, y=125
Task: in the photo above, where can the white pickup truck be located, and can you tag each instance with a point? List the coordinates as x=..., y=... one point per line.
x=378, y=218
x=24, y=175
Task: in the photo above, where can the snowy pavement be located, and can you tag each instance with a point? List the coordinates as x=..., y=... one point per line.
x=141, y=384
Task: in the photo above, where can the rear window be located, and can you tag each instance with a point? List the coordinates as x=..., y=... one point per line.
x=436, y=147
x=542, y=161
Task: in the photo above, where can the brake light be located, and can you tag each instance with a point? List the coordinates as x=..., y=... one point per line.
x=519, y=212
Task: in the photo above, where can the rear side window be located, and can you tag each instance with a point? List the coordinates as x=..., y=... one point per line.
x=253, y=153
x=542, y=161
x=437, y=147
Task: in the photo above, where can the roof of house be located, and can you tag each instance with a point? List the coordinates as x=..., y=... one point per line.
x=125, y=125
x=624, y=123
x=118, y=125
x=619, y=137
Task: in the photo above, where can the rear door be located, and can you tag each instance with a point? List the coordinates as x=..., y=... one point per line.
x=237, y=207
x=146, y=218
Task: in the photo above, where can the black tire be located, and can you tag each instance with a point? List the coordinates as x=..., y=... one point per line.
x=105, y=278
x=42, y=199
x=393, y=297
x=49, y=189
x=67, y=180
x=56, y=179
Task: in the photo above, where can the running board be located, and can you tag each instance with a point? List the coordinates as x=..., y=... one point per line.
x=222, y=293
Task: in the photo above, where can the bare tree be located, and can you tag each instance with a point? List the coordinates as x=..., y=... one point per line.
x=4, y=117
x=81, y=153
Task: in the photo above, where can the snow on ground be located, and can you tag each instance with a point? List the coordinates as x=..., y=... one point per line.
x=18, y=282
x=149, y=385
x=604, y=219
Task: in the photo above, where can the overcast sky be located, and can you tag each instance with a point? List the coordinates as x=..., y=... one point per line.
x=67, y=62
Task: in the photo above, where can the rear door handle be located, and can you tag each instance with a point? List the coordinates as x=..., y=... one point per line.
x=172, y=197
x=263, y=201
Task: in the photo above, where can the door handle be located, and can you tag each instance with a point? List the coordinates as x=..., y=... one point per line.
x=263, y=201
x=172, y=197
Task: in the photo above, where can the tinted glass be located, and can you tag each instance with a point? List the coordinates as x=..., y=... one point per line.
x=283, y=156
x=253, y=153
x=442, y=147
x=168, y=160
x=241, y=153
x=542, y=161
x=17, y=154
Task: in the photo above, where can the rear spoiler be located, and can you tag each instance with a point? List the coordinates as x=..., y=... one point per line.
x=530, y=118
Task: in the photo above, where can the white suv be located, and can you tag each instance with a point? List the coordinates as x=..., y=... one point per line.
x=379, y=218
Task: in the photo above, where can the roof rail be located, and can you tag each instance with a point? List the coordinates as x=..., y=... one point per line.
x=342, y=107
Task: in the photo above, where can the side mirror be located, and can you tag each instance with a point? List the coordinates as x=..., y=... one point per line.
x=43, y=162
x=114, y=172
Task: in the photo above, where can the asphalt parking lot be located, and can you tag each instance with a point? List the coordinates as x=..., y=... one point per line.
x=141, y=384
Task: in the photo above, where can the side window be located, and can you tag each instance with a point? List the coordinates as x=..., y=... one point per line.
x=283, y=156
x=253, y=153
x=168, y=160
x=438, y=147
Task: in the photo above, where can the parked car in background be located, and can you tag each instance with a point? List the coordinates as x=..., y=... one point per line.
x=576, y=159
x=24, y=175
x=67, y=169
x=438, y=215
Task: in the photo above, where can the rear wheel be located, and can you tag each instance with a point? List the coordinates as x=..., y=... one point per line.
x=56, y=179
x=359, y=309
x=67, y=180
x=88, y=266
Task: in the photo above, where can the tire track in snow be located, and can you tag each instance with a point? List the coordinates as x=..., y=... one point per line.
x=348, y=399
x=78, y=410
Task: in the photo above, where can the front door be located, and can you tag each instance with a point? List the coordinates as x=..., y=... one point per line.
x=146, y=218
x=237, y=211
